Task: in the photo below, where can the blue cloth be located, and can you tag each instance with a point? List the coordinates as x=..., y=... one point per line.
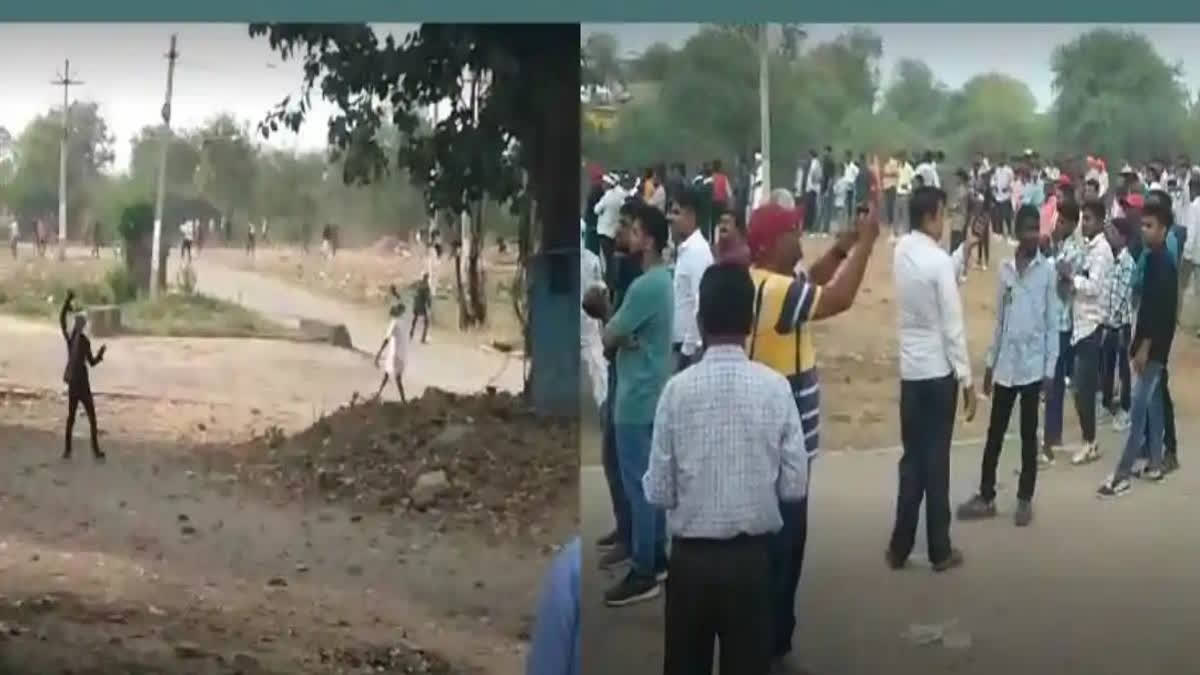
x=1145, y=421
x=1052, y=433
x=555, y=646
x=648, y=523
x=1025, y=340
x=1033, y=194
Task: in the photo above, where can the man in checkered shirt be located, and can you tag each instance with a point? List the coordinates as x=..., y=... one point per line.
x=728, y=448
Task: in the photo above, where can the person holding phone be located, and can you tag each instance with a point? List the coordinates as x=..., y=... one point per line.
x=1020, y=364
x=79, y=386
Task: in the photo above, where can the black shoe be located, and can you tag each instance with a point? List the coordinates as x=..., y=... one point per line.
x=607, y=541
x=977, y=508
x=894, y=561
x=1170, y=463
x=1024, y=513
x=633, y=589
x=955, y=559
x=99, y=456
x=614, y=557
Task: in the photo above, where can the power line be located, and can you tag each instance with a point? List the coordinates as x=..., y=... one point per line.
x=65, y=81
x=156, y=247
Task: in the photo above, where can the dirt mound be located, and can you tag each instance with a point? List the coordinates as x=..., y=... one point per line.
x=485, y=460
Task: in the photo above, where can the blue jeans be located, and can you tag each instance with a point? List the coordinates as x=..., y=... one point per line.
x=612, y=474
x=648, y=527
x=1052, y=435
x=1145, y=417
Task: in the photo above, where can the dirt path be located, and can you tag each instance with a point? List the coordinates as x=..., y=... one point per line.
x=152, y=559
x=449, y=366
x=1086, y=590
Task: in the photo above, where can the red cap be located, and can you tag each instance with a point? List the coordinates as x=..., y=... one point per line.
x=1064, y=179
x=767, y=224
x=1134, y=200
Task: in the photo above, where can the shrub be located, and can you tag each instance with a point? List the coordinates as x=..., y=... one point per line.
x=121, y=284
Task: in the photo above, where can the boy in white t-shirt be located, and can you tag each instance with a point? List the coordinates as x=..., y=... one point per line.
x=395, y=340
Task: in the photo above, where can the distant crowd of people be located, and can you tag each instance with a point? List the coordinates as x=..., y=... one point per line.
x=696, y=341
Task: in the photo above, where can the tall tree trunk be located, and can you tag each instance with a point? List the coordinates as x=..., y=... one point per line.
x=554, y=288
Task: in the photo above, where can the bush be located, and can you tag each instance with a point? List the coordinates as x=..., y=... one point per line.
x=121, y=284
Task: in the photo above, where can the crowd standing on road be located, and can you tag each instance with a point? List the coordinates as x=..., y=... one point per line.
x=697, y=307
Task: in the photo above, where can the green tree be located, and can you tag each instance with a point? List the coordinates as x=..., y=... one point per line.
x=34, y=188
x=653, y=64
x=227, y=164
x=512, y=92
x=915, y=96
x=183, y=159
x=600, y=61
x=1116, y=96
x=993, y=113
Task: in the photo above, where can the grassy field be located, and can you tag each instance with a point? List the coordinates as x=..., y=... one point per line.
x=34, y=288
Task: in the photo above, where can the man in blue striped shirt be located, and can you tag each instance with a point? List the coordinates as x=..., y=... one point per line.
x=1020, y=363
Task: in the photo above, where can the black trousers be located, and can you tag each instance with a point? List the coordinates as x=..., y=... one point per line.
x=787, y=562
x=1170, y=441
x=424, y=318
x=607, y=247
x=1003, y=399
x=1085, y=379
x=1114, y=362
x=76, y=395
x=927, y=411
x=719, y=591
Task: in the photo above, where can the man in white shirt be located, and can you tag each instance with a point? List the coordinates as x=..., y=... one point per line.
x=608, y=216
x=692, y=257
x=14, y=235
x=1189, y=282
x=1002, y=181
x=591, y=349
x=928, y=172
x=812, y=191
x=1084, y=286
x=934, y=365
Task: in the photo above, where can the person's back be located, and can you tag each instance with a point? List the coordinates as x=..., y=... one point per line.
x=917, y=264
x=728, y=401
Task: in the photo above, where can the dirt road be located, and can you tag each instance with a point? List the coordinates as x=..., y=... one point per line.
x=450, y=366
x=152, y=558
x=1091, y=588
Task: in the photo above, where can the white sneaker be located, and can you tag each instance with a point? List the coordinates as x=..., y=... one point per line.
x=1113, y=488
x=1121, y=421
x=1139, y=466
x=1090, y=452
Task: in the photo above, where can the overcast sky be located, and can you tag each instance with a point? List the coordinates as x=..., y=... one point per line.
x=956, y=52
x=220, y=69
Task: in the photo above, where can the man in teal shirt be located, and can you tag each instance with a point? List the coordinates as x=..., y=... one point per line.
x=640, y=333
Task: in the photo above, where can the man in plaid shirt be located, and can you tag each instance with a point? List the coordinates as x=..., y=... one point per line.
x=1065, y=247
x=1117, y=301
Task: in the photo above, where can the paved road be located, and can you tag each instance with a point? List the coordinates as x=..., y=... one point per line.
x=1091, y=587
x=447, y=366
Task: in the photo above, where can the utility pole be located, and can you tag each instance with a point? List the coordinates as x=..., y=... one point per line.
x=64, y=80
x=764, y=105
x=156, y=247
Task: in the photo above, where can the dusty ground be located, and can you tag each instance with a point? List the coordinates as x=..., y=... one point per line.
x=1087, y=589
x=212, y=543
x=856, y=353
x=362, y=276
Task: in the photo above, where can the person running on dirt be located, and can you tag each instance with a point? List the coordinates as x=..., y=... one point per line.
x=187, y=232
x=97, y=238
x=422, y=307
x=14, y=235
x=396, y=343
x=40, y=229
x=79, y=387
x=250, y=239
